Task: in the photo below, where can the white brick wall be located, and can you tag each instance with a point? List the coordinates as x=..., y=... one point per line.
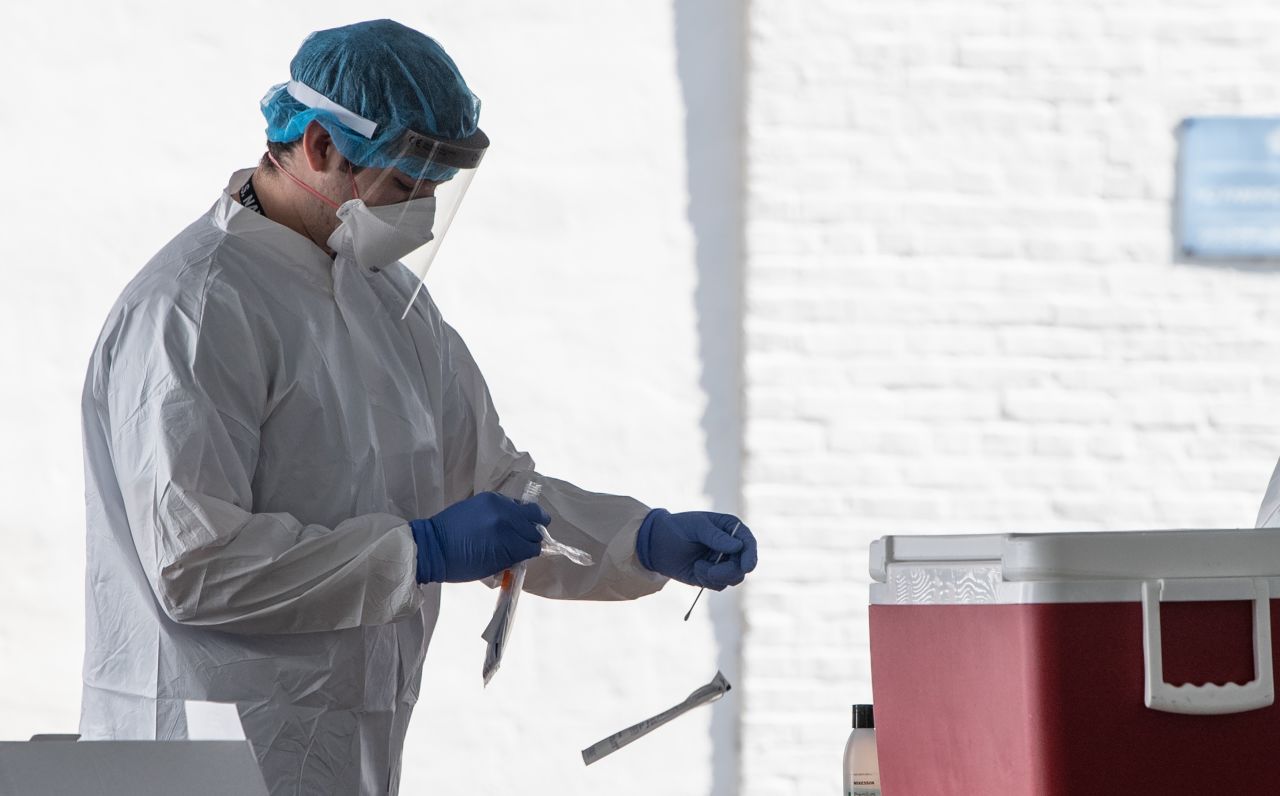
x=963, y=313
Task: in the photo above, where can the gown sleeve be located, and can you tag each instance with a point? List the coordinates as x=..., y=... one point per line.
x=1269, y=511
x=479, y=457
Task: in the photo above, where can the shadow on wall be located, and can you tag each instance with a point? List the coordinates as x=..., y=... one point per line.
x=710, y=62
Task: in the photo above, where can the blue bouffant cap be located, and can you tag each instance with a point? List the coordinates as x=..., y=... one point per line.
x=368, y=85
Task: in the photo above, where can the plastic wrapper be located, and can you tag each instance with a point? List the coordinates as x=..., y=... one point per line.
x=718, y=687
x=504, y=614
x=497, y=633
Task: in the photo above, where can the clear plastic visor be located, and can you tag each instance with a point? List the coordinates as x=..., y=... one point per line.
x=424, y=167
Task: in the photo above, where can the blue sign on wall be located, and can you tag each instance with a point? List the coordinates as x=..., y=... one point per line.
x=1229, y=188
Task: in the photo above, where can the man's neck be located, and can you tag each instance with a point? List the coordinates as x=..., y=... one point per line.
x=278, y=198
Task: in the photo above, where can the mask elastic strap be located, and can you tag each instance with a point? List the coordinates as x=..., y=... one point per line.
x=355, y=189
x=303, y=185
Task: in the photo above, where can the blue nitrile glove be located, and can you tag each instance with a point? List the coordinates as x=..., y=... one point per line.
x=685, y=547
x=477, y=537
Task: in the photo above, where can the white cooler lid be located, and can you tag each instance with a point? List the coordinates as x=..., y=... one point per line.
x=1034, y=567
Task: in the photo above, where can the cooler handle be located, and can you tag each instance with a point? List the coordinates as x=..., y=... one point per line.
x=1209, y=698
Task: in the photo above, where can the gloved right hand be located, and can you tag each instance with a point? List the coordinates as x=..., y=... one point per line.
x=477, y=537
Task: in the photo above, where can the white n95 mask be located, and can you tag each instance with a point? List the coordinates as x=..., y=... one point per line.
x=375, y=237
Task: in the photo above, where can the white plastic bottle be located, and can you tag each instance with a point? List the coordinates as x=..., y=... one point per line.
x=861, y=766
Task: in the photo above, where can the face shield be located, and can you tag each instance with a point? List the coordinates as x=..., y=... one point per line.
x=434, y=174
x=407, y=187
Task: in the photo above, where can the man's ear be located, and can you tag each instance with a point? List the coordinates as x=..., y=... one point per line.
x=318, y=148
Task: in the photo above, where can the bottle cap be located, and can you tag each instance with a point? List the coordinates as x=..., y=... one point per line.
x=864, y=718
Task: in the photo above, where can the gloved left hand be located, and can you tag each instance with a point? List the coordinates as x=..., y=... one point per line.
x=685, y=547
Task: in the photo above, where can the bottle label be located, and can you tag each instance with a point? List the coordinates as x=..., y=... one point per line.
x=864, y=786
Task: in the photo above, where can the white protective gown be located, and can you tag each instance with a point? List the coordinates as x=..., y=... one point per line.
x=1269, y=511
x=259, y=426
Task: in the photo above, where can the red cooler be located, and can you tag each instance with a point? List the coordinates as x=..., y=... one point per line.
x=1079, y=663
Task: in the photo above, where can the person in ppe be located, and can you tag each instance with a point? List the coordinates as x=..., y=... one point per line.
x=1269, y=511
x=281, y=471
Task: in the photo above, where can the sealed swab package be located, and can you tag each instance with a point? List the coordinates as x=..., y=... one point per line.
x=718, y=687
x=498, y=631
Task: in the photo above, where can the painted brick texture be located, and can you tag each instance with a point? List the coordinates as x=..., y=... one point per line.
x=963, y=310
